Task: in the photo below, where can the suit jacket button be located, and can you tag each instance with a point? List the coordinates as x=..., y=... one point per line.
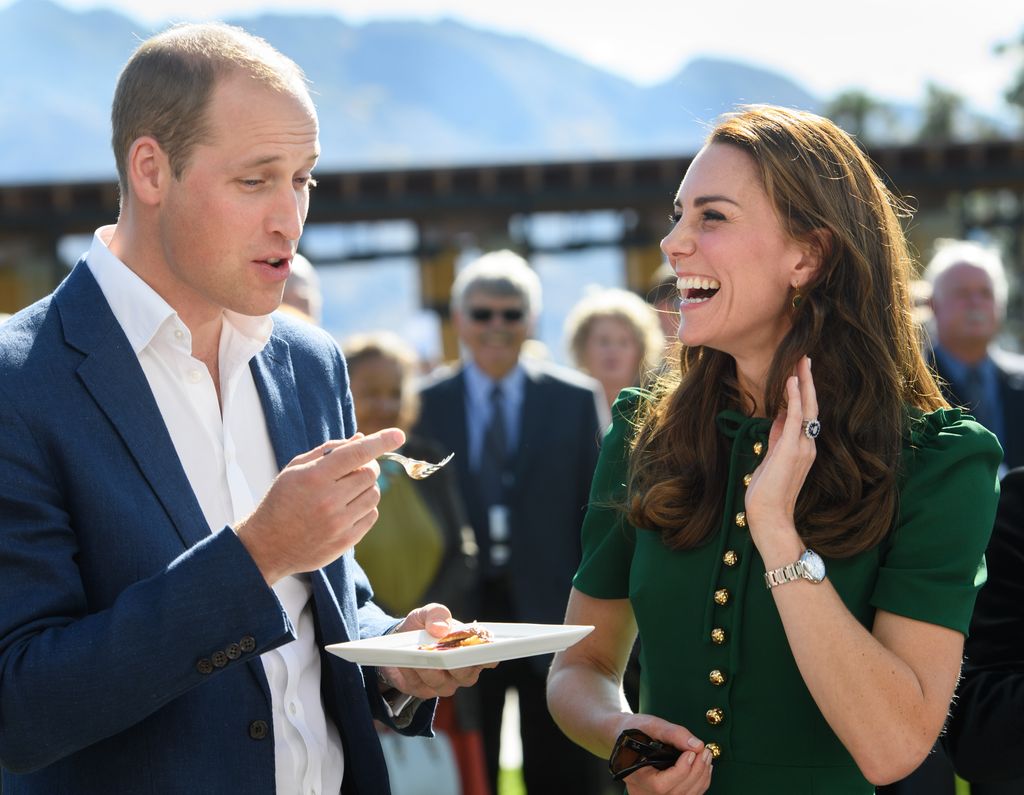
x=259, y=730
x=219, y=659
x=247, y=644
x=233, y=651
x=204, y=666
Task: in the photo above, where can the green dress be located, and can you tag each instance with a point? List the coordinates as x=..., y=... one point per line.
x=714, y=655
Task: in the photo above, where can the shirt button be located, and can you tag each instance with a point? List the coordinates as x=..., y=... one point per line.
x=717, y=678
x=722, y=597
x=730, y=558
x=747, y=478
x=718, y=636
x=715, y=749
x=259, y=730
x=179, y=334
x=292, y=708
x=758, y=447
x=715, y=716
x=741, y=519
x=194, y=376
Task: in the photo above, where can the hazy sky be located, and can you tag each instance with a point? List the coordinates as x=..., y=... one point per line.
x=889, y=47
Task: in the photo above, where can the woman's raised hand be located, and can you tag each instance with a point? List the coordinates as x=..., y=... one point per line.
x=770, y=500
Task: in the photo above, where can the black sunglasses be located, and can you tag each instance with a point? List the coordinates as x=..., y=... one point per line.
x=634, y=750
x=483, y=314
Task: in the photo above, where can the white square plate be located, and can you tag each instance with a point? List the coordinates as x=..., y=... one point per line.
x=401, y=650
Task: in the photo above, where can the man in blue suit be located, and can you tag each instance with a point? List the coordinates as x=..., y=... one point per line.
x=525, y=434
x=969, y=297
x=175, y=542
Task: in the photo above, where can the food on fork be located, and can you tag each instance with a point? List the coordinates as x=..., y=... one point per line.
x=468, y=635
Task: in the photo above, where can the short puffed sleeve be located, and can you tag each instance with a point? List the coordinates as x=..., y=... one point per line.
x=607, y=538
x=933, y=563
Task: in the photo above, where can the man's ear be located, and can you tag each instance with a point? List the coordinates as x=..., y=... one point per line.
x=149, y=170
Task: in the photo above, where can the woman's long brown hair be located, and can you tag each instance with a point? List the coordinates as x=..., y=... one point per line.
x=855, y=323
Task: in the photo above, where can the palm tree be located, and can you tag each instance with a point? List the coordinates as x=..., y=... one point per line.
x=860, y=114
x=942, y=108
x=1014, y=94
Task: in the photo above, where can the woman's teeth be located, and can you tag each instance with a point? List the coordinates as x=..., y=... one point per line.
x=696, y=289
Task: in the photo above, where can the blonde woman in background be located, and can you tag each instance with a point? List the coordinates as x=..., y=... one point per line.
x=614, y=336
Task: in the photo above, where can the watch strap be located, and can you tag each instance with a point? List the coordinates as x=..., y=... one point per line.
x=784, y=574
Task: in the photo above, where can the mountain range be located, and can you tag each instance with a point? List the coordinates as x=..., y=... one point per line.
x=388, y=93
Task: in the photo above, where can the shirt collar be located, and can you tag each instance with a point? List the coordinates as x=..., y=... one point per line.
x=480, y=385
x=956, y=370
x=142, y=312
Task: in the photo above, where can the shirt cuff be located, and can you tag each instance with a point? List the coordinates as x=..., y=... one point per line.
x=400, y=707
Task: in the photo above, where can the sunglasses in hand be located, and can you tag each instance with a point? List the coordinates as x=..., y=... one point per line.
x=634, y=750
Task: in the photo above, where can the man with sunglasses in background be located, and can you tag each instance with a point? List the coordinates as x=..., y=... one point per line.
x=525, y=435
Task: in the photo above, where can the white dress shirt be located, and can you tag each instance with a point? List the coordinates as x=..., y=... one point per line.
x=227, y=455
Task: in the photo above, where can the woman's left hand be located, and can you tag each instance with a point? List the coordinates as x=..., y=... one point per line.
x=770, y=499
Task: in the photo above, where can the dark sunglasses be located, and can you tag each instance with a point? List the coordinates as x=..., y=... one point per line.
x=634, y=750
x=483, y=314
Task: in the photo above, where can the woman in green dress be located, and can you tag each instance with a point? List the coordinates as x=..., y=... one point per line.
x=799, y=552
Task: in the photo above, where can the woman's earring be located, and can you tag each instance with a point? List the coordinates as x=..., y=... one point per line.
x=797, y=296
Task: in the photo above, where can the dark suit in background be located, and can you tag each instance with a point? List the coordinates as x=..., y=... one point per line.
x=986, y=733
x=553, y=465
x=1009, y=369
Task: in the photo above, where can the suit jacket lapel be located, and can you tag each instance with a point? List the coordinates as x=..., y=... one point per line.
x=458, y=431
x=275, y=382
x=111, y=373
x=274, y=374
x=531, y=423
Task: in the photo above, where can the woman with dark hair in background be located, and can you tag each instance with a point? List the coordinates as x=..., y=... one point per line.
x=798, y=552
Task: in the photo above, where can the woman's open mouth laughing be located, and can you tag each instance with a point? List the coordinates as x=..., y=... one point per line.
x=696, y=289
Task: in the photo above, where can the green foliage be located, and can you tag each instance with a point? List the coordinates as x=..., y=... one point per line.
x=942, y=107
x=1014, y=93
x=860, y=114
x=510, y=782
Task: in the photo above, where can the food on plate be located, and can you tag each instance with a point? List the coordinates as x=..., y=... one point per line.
x=469, y=635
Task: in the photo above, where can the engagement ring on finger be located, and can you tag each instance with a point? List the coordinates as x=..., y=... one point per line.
x=811, y=428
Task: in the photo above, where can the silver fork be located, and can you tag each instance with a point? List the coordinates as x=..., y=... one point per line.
x=414, y=468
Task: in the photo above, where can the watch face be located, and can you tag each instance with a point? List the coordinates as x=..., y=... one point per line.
x=814, y=566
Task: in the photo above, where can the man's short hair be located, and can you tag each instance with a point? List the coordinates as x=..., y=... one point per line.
x=949, y=252
x=502, y=273
x=164, y=89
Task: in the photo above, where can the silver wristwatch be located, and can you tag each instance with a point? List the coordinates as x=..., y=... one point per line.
x=809, y=567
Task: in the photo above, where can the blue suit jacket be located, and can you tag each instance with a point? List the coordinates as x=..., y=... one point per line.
x=1010, y=375
x=115, y=596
